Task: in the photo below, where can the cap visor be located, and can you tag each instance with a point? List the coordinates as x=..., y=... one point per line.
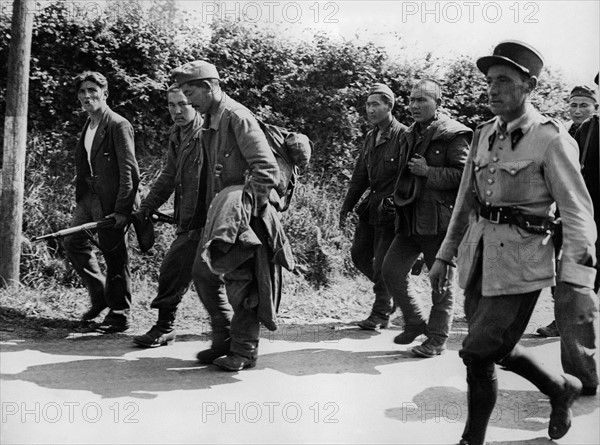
x=484, y=64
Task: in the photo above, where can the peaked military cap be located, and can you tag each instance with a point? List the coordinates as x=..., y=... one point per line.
x=583, y=91
x=196, y=70
x=521, y=56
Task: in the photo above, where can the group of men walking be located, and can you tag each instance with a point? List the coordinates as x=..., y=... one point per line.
x=484, y=203
x=436, y=189
x=216, y=149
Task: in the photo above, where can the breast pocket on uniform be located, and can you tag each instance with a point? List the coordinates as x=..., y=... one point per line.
x=516, y=179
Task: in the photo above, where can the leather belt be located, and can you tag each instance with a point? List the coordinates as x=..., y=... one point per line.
x=511, y=215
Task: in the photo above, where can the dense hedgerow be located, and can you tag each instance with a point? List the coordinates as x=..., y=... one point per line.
x=315, y=85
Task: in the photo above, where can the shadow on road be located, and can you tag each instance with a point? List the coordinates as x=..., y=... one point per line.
x=515, y=409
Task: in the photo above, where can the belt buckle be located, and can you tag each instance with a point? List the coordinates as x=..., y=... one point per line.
x=495, y=220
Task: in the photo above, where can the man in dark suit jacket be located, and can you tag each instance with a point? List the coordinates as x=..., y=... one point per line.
x=106, y=187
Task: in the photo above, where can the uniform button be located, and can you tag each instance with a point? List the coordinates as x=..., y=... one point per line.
x=392, y=160
x=492, y=170
x=513, y=172
x=477, y=168
x=495, y=159
x=487, y=203
x=488, y=193
x=501, y=137
x=490, y=181
x=437, y=152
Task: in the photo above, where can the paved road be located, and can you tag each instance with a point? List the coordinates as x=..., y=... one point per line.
x=312, y=384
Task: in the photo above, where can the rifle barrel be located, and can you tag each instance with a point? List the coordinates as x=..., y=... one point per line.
x=71, y=230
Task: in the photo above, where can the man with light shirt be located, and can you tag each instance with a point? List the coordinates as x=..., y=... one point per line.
x=106, y=187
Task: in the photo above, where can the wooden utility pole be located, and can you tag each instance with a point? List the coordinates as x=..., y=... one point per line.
x=15, y=139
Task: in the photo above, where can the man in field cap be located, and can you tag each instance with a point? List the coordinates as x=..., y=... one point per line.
x=521, y=166
x=376, y=169
x=583, y=103
x=236, y=153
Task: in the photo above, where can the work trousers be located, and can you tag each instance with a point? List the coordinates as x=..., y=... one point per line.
x=114, y=288
x=371, y=243
x=397, y=264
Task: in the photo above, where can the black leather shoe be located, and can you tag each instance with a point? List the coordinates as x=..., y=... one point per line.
x=409, y=334
x=109, y=327
x=589, y=390
x=208, y=356
x=373, y=323
x=155, y=337
x=560, y=417
x=235, y=362
x=93, y=312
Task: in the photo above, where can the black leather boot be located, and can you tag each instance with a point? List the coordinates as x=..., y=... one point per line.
x=562, y=389
x=481, y=397
x=221, y=341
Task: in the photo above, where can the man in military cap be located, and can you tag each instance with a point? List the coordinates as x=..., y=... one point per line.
x=236, y=152
x=433, y=152
x=583, y=103
x=376, y=169
x=179, y=175
x=521, y=166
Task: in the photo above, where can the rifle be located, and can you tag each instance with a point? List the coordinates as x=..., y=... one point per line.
x=144, y=229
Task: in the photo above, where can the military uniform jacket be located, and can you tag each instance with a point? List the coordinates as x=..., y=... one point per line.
x=376, y=168
x=180, y=174
x=113, y=162
x=533, y=166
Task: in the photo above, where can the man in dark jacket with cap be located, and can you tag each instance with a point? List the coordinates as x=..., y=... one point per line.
x=433, y=152
x=105, y=187
x=376, y=169
x=520, y=167
x=179, y=175
x=236, y=152
x=583, y=103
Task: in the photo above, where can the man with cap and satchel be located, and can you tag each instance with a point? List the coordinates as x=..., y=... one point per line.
x=236, y=152
x=433, y=152
x=105, y=187
x=181, y=175
x=376, y=169
x=520, y=167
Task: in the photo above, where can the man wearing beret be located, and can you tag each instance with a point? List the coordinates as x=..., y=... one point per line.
x=180, y=175
x=236, y=152
x=105, y=187
x=521, y=166
x=376, y=169
x=433, y=152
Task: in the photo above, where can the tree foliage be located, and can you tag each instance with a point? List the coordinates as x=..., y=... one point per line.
x=316, y=85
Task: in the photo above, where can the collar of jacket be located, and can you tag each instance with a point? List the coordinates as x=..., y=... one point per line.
x=524, y=122
x=102, y=122
x=386, y=134
x=213, y=117
x=442, y=126
x=517, y=128
x=175, y=133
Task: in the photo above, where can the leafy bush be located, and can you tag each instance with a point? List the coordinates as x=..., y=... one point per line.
x=316, y=85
